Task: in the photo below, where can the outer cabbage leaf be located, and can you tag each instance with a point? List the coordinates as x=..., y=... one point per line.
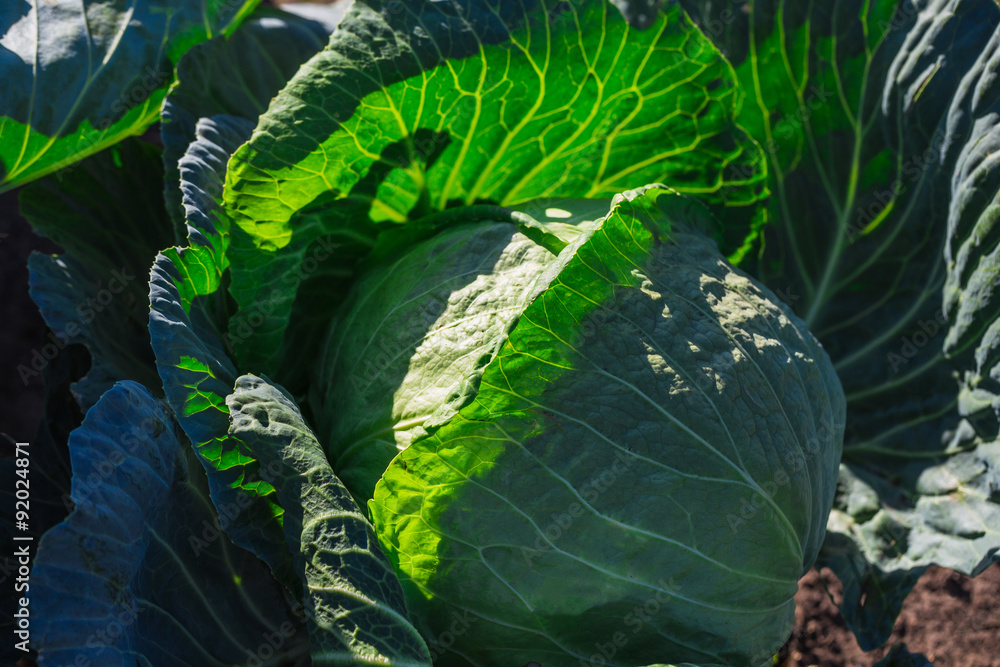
x=236, y=75
x=95, y=292
x=880, y=123
x=81, y=76
x=230, y=81
x=188, y=313
x=353, y=601
x=210, y=112
x=142, y=520
x=204, y=258
x=419, y=106
x=650, y=460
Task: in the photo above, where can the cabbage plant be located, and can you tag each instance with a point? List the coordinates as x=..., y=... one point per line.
x=611, y=426
x=469, y=332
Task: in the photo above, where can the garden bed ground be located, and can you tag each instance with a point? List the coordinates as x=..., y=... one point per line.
x=952, y=619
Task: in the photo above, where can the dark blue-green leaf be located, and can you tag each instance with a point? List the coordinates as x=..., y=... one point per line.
x=81, y=76
x=108, y=215
x=140, y=573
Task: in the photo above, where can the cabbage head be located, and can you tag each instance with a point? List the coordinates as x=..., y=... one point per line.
x=585, y=443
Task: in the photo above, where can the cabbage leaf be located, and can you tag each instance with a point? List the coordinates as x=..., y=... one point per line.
x=140, y=572
x=81, y=76
x=353, y=601
x=879, y=120
x=417, y=107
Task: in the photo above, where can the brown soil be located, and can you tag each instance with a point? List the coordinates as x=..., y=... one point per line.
x=952, y=619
